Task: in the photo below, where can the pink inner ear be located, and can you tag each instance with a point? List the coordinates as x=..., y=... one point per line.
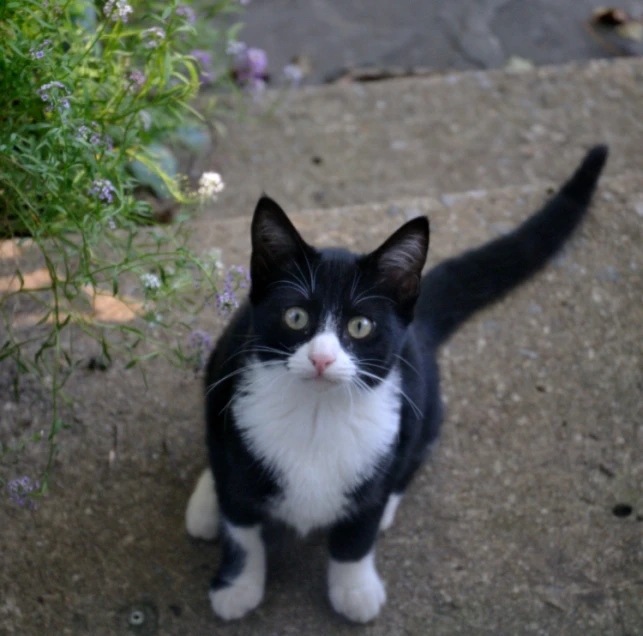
x=409, y=286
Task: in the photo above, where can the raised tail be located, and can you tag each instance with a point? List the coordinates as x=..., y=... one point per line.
x=458, y=287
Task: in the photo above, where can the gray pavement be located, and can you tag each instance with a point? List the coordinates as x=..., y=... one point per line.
x=439, y=34
x=509, y=530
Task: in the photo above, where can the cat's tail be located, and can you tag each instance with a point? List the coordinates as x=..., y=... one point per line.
x=458, y=287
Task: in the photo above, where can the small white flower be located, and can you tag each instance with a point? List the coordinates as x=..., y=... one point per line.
x=293, y=73
x=151, y=281
x=118, y=10
x=154, y=35
x=236, y=48
x=146, y=119
x=210, y=184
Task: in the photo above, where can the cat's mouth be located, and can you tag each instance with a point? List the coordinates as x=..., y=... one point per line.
x=323, y=381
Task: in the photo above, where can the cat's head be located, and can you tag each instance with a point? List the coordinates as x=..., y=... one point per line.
x=330, y=316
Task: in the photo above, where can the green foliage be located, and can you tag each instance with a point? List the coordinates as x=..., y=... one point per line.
x=85, y=90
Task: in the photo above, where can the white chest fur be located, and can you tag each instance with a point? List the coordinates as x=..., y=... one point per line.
x=320, y=443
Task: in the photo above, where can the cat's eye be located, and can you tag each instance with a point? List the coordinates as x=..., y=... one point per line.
x=359, y=327
x=296, y=318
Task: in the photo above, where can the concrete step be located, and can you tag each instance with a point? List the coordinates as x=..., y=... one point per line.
x=458, y=220
x=349, y=144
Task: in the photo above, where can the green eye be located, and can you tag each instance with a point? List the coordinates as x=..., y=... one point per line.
x=359, y=327
x=296, y=318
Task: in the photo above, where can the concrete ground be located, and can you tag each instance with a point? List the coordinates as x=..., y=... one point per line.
x=529, y=518
x=436, y=34
x=513, y=528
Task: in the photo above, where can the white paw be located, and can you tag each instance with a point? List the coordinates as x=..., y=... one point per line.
x=355, y=589
x=202, y=513
x=389, y=512
x=236, y=600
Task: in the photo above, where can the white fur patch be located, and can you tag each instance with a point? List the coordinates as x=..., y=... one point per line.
x=389, y=512
x=355, y=589
x=246, y=591
x=343, y=369
x=321, y=438
x=202, y=513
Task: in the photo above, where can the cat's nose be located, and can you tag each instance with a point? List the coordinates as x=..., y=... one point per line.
x=321, y=361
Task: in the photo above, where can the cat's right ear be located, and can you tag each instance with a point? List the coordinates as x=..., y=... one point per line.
x=275, y=242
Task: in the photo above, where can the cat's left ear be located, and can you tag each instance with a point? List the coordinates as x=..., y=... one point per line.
x=400, y=259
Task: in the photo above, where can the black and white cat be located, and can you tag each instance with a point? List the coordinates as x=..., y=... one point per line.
x=322, y=395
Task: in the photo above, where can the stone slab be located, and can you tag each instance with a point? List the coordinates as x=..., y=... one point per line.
x=344, y=145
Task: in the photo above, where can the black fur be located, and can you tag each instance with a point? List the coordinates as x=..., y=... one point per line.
x=458, y=287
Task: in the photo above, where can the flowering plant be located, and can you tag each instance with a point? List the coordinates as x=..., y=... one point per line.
x=84, y=91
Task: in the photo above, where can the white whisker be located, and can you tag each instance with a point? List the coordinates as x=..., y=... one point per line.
x=297, y=286
x=408, y=364
x=356, y=278
x=211, y=388
x=302, y=280
x=362, y=298
x=416, y=409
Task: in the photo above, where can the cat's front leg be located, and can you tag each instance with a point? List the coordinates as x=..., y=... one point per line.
x=354, y=586
x=238, y=586
x=202, y=512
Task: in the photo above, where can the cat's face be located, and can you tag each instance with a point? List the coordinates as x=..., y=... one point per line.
x=332, y=317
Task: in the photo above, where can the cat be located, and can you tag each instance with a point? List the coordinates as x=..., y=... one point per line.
x=322, y=395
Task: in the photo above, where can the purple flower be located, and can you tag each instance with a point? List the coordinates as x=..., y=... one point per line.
x=237, y=277
x=38, y=55
x=98, y=139
x=94, y=137
x=250, y=68
x=200, y=342
x=257, y=62
x=103, y=189
x=243, y=276
x=43, y=91
x=187, y=12
x=19, y=490
x=136, y=78
x=204, y=60
x=48, y=95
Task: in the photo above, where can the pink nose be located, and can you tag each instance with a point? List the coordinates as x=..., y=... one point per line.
x=321, y=362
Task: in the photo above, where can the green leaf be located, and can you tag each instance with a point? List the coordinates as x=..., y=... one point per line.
x=156, y=169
